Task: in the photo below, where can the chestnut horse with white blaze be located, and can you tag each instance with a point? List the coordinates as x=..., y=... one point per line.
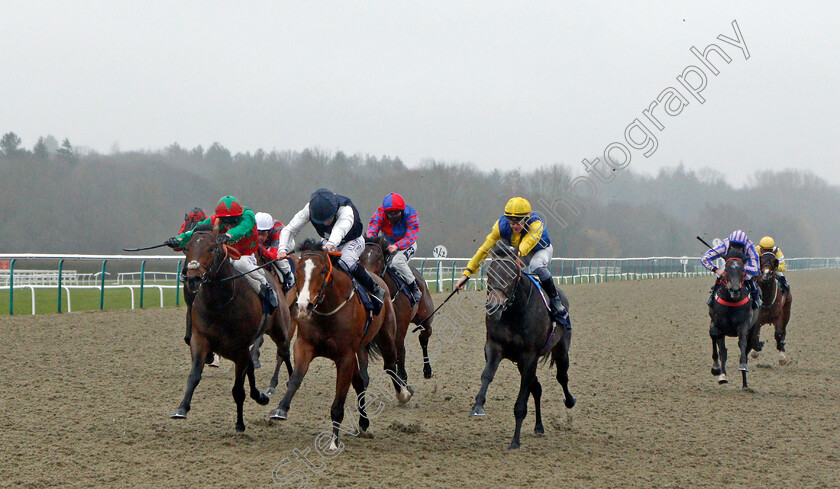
x=333, y=323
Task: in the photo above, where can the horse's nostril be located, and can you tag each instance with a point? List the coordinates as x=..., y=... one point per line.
x=309, y=307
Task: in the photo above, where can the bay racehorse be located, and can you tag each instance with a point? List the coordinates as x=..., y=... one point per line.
x=520, y=329
x=375, y=259
x=776, y=307
x=226, y=318
x=333, y=323
x=283, y=356
x=732, y=314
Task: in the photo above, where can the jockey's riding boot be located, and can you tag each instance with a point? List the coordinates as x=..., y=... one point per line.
x=783, y=283
x=755, y=293
x=377, y=293
x=288, y=281
x=416, y=293
x=559, y=314
x=711, y=298
x=269, y=299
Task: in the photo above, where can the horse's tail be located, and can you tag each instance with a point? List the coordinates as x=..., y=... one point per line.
x=373, y=350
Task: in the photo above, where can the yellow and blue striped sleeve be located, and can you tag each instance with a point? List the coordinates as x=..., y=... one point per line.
x=533, y=234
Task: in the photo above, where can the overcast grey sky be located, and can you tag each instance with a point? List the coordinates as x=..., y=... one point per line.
x=499, y=84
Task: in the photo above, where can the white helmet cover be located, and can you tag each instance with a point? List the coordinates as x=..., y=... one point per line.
x=264, y=221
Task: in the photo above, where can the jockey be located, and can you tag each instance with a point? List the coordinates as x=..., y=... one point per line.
x=237, y=226
x=524, y=230
x=400, y=225
x=768, y=245
x=191, y=220
x=269, y=232
x=337, y=222
x=737, y=241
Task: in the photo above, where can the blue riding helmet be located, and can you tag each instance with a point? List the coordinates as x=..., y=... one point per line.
x=323, y=205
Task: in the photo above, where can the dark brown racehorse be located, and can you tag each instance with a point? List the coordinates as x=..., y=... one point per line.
x=732, y=314
x=226, y=318
x=520, y=329
x=374, y=258
x=776, y=307
x=283, y=356
x=332, y=324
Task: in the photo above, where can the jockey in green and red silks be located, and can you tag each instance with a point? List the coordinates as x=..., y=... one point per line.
x=237, y=228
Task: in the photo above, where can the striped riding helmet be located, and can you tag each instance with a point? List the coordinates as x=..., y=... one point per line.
x=739, y=237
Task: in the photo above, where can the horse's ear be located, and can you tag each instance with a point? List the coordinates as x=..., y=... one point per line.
x=232, y=252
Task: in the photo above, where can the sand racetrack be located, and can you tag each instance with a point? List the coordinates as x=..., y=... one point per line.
x=86, y=399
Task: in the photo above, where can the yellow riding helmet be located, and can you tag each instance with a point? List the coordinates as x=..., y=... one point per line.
x=517, y=207
x=766, y=243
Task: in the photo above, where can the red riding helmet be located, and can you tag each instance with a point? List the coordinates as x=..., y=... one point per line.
x=393, y=202
x=229, y=207
x=195, y=215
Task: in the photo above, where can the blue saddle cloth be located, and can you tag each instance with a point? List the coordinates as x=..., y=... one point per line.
x=363, y=295
x=555, y=333
x=401, y=286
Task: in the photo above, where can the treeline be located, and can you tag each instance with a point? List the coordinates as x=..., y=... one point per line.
x=57, y=199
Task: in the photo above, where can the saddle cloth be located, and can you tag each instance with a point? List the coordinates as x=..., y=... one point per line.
x=401, y=286
x=554, y=334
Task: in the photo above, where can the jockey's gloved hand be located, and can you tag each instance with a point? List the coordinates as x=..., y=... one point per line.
x=223, y=238
x=172, y=242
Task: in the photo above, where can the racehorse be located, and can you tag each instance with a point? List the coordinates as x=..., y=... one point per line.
x=226, y=318
x=333, y=323
x=732, y=314
x=375, y=259
x=283, y=356
x=520, y=329
x=776, y=307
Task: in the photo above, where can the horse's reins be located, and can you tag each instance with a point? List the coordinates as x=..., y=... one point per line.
x=508, y=300
x=322, y=294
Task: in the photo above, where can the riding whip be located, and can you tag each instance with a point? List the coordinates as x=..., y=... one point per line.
x=145, y=248
x=420, y=326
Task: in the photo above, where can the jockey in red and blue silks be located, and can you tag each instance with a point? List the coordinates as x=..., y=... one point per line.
x=737, y=241
x=401, y=226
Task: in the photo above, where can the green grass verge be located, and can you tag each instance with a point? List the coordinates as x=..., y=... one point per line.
x=46, y=300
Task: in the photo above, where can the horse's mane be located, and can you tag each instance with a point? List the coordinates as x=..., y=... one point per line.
x=502, y=250
x=203, y=228
x=312, y=245
x=375, y=240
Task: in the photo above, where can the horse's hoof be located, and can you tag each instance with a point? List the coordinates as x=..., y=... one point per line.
x=262, y=400
x=539, y=430
x=478, y=411
x=271, y=391
x=754, y=354
x=783, y=360
x=570, y=401
x=240, y=428
x=715, y=371
x=179, y=413
x=427, y=372
x=405, y=394
x=514, y=445
x=743, y=367
x=278, y=414
x=722, y=379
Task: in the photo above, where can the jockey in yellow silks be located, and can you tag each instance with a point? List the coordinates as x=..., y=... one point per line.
x=524, y=230
x=768, y=245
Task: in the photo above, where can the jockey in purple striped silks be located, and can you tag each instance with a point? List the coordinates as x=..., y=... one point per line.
x=737, y=242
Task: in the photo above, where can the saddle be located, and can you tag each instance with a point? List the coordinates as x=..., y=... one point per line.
x=401, y=286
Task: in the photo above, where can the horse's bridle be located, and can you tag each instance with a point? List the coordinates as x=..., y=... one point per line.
x=322, y=294
x=724, y=270
x=212, y=271
x=508, y=299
